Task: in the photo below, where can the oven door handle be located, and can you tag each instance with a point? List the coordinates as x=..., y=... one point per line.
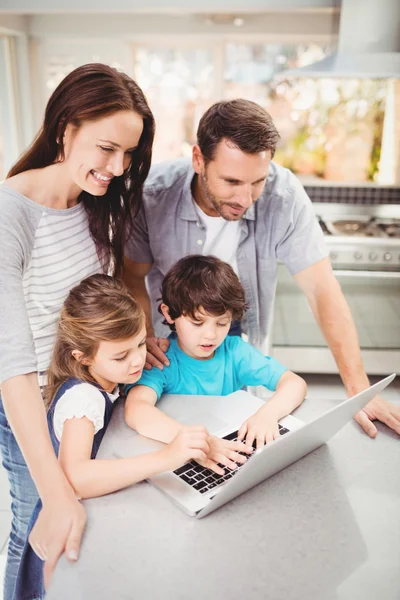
x=369, y=274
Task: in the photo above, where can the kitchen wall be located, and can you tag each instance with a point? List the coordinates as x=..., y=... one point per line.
x=226, y=52
x=40, y=47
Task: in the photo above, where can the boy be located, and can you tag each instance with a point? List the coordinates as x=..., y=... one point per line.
x=201, y=296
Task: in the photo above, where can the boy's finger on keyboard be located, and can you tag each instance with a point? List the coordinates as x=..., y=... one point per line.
x=250, y=437
x=242, y=432
x=260, y=441
x=272, y=435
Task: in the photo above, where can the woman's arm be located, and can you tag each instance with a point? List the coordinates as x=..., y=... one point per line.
x=91, y=477
x=62, y=520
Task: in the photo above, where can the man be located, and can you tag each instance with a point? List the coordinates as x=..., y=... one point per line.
x=236, y=204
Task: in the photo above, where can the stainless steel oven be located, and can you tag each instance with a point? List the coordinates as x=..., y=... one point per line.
x=364, y=246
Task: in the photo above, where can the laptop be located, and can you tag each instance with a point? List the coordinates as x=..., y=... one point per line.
x=199, y=491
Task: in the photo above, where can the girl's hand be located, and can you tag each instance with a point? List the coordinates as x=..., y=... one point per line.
x=189, y=443
x=261, y=427
x=225, y=452
x=59, y=528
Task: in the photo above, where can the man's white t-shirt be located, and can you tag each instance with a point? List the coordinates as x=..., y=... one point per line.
x=222, y=238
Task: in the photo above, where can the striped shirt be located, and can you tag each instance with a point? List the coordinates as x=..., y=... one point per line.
x=45, y=253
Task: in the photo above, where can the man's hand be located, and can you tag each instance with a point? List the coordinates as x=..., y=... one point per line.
x=381, y=410
x=262, y=427
x=156, y=348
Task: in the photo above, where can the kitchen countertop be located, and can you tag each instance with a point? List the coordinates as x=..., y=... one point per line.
x=325, y=528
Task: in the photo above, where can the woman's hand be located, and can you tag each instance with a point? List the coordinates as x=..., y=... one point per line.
x=156, y=348
x=59, y=528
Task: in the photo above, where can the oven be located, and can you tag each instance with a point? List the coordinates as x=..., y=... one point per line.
x=364, y=248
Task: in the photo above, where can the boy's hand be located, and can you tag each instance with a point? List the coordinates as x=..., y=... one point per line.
x=261, y=427
x=189, y=443
x=224, y=452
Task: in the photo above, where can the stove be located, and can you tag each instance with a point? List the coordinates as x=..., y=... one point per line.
x=361, y=237
x=364, y=248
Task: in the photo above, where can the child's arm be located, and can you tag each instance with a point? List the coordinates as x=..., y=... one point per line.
x=91, y=478
x=263, y=425
x=142, y=415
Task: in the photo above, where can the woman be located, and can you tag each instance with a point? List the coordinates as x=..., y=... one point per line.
x=67, y=208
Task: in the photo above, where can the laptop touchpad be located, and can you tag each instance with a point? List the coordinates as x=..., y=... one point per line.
x=205, y=418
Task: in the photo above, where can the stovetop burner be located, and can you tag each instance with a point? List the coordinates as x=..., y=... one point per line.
x=391, y=229
x=355, y=228
x=373, y=228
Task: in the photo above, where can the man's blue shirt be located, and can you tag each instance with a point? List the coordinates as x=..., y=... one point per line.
x=234, y=365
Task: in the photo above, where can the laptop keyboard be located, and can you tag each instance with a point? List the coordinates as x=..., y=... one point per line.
x=203, y=479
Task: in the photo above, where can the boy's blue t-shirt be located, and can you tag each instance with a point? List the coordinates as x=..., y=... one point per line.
x=234, y=364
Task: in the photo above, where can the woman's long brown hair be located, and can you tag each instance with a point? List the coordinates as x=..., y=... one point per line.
x=100, y=308
x=88, y=93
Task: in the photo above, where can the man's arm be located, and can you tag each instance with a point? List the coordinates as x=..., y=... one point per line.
x=134, y=277
x=333, y=316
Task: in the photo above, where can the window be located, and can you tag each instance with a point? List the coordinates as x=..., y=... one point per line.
x=179, y=86
x=250, y=68
x=334, y=127
x=63, y=56
x=329, y=128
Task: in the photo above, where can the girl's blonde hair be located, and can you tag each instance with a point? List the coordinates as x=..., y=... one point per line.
x=100, y=308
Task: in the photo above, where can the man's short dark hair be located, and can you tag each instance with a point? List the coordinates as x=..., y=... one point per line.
x=244, y=123
x=204, y=282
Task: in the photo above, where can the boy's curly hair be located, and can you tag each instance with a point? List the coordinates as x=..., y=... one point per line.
x=202, y=282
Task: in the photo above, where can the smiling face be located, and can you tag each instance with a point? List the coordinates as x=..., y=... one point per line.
x=118, y=362
x=199, y=337
x=99, y=150
x=231, y=182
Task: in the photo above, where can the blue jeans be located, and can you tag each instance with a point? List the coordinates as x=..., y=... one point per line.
x=30, y=580
x=24, y=497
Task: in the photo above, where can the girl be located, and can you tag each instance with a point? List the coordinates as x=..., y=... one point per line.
x=66, y=210
x=101, y=341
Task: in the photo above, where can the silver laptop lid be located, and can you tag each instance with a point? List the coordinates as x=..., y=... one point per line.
x=293, y=446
